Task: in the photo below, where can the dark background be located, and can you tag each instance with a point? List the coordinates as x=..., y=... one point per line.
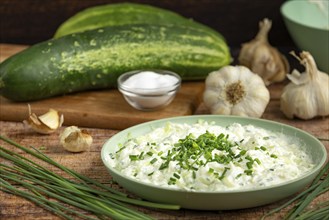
x=32, y=21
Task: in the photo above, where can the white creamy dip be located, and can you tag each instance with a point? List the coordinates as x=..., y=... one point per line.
x=255, y=158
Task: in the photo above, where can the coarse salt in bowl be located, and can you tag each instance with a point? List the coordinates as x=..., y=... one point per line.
x=149, y=90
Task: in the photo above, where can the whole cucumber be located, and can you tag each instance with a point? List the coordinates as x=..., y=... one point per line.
x=121, y=14
x=94, y=59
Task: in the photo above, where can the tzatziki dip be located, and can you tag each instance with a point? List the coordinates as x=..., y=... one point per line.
x=208, y=157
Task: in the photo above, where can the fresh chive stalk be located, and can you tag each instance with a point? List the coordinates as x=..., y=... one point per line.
x=318, y=212
x=40, y=200
x=65, y=197
x=300, y=210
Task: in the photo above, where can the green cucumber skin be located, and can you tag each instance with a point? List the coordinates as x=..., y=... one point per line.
x=95, y=59
x=123, y=14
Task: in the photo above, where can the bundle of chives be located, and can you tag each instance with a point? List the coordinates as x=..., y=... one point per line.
x=65, y=197
x=299, y=210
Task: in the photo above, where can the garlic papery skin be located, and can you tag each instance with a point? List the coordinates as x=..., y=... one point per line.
x=46, y=123
x=235, y=90
x=307, y=95
x=261, y=58
x=75, y=140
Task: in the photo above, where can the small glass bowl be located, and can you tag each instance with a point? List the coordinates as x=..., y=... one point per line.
x=148, y=99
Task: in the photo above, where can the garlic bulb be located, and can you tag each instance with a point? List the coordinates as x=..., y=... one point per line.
x=235, y=90
x=307, y=95
x=261, y=58
x=75, y=140
x=46, y=123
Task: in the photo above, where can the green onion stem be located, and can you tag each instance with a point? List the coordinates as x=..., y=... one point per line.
x=66, y=192
x=42, y=201
x=319, y=185
x=69, y=201
x=123, y=197
x=44, y=158
x=309, y=198
x=64, y=182
x=83, y=193
x=322, y=173
x=320, y=209
x=320, y=214
x=81, y=200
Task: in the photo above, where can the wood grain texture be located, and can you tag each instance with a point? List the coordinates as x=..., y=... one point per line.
x=99, y=109
x=90, y=164
x=7, y=50
x=103, y=109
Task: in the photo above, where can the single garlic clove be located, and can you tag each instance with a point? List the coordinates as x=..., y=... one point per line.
x=297, y=78
x=50, y=119
x=46, y=123
x=75, y=140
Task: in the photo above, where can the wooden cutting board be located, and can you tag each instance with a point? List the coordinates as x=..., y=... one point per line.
x=99, y=109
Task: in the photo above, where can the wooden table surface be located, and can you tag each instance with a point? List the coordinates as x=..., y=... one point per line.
x=90, y=164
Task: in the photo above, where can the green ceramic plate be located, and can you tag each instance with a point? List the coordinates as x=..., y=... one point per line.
x=216, y=200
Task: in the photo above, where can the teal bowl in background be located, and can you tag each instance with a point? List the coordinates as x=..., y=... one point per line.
x=308, y=26
x=220, y=200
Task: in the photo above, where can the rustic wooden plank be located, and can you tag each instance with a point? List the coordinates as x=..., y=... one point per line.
x=7, y=50
x=101, y=108
x=90, y=164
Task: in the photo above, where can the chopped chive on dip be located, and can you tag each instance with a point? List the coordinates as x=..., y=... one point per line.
x=208, y=157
